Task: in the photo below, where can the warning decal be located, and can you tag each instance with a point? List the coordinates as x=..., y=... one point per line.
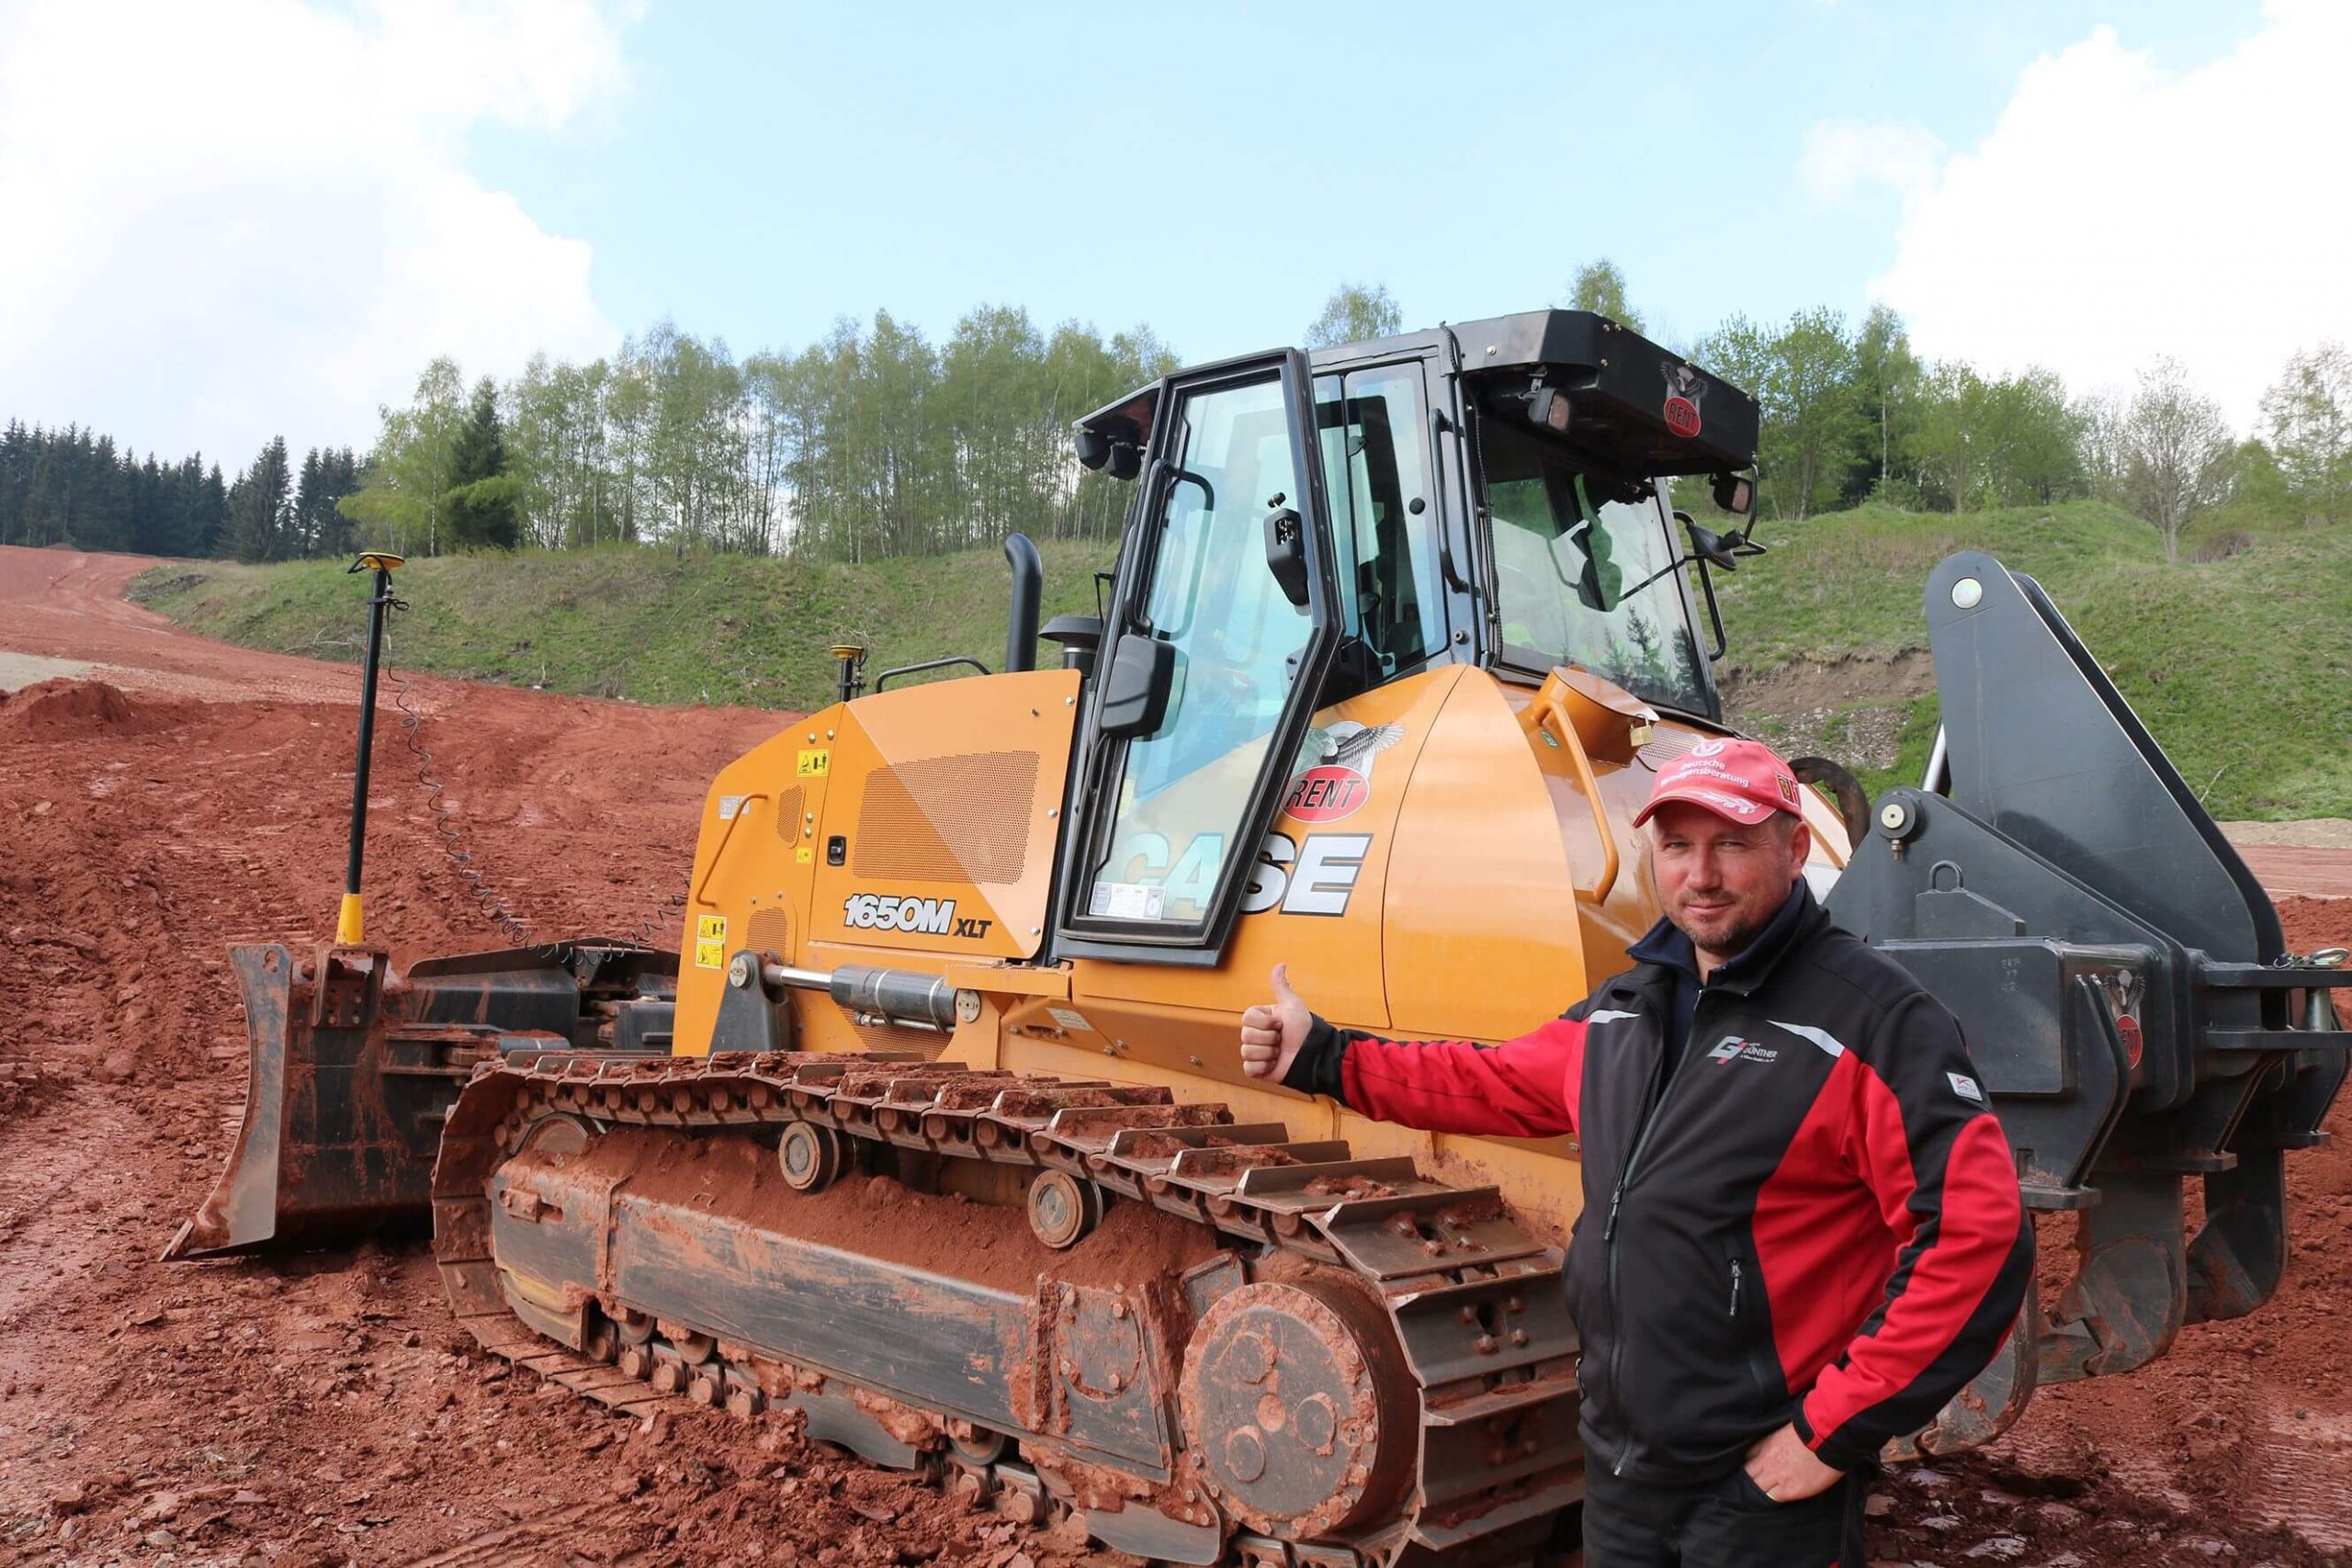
x=710, y=941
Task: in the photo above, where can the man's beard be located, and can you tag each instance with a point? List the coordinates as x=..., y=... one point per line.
x=1732, y=941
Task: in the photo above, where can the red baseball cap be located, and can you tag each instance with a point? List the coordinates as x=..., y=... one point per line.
x=1741, y=781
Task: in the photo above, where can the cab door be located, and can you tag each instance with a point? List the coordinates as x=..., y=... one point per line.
x=1229, y=570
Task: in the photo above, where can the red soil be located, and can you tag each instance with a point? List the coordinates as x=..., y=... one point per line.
x=325, y=1409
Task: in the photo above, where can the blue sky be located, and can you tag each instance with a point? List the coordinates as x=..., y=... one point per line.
x=771, y=168
x=255, y=217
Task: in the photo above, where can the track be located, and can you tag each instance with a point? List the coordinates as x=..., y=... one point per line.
x=1366, y=1364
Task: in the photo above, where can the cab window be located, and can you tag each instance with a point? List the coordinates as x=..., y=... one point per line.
x=1580, y=560
x=1376, y=470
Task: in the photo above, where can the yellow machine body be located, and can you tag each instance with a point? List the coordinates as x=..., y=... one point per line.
x=1487, y=878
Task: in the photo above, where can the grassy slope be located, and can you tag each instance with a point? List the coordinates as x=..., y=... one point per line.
x=634, y=623
x=2241, y=665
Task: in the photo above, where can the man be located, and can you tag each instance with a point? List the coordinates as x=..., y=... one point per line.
x=1801, y=1233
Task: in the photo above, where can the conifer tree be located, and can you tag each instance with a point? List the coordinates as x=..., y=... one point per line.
x=482, y=502
x=260, y=525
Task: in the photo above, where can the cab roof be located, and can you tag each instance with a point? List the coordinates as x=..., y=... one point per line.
x=1635, y=403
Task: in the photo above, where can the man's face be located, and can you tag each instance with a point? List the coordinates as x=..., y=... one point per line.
x=1721, y=883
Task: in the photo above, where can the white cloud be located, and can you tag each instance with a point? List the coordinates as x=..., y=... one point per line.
x=1842, y=159
x=247, y=218
x=2117, y=212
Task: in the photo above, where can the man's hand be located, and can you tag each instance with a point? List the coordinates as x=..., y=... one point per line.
x=1273, y=1031
x=1785, y=1471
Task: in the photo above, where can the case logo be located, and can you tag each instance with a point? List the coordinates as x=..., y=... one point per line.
x=1313, y=876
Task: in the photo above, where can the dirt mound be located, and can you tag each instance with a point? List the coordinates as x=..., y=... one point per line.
x=66, y=707
x=1806, y=683
x=2313, y=923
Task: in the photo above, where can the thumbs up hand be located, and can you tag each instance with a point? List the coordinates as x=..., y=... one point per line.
x=1273, y=1031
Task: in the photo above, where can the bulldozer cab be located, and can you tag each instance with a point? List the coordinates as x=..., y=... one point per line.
x=1306, y=529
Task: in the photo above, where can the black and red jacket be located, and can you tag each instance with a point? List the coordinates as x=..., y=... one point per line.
x=1809, y=1214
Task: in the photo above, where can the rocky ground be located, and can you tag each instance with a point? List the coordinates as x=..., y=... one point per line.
x=162, y=796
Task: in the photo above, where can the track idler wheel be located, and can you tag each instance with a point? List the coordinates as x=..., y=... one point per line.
x=1297, y=1409
x=811, y=1156
x=1063, y=1208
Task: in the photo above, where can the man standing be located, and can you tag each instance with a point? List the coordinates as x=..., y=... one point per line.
x=1801, y=1233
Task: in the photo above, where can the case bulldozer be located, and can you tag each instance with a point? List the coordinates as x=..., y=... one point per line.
x=935, y=1131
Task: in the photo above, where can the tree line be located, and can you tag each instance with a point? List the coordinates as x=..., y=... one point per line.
x=74, y=486
x=1851, y=412
x=872, y=442
x=876, y=441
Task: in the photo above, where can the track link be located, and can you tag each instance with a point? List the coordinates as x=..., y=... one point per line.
x=1376, y=1367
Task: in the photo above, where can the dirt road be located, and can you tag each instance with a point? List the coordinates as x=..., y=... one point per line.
x=322, y=1410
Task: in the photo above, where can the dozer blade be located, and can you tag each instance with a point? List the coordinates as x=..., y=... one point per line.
x=353, y=1071
x=336, y=1141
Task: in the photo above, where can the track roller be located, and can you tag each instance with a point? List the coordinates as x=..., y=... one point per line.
x=1063, y=1208
x=976, y=1444
x=810, y=1156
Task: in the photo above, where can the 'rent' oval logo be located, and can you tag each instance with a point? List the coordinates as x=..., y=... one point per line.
x=1326, y=793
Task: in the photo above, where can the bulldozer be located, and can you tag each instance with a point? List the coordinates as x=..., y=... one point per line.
x=934, y=1133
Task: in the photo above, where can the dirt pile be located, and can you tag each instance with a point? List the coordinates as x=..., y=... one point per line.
x=2311, y=924
x=63, y=708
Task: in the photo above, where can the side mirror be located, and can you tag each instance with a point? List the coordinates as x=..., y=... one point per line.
x=1735, y=493
x=1094, y=449
x=1286, y=551
x=1136, y=688
x=1713, y=548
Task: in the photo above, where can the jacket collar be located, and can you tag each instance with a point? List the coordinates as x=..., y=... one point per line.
x=1667, y=949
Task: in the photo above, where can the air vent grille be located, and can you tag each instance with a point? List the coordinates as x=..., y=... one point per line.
x=769, y=931
x=960, y=818
x=788, y=808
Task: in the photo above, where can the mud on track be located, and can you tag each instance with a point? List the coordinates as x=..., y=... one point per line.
x=324, y=1409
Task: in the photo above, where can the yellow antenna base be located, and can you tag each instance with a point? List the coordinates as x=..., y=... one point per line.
x=350, y=928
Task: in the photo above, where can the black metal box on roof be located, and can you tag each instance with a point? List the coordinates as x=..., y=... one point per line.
x=1644, y=408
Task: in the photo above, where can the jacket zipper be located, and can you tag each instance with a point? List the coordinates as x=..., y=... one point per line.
x=1734, y=1288
x=1673, y=1071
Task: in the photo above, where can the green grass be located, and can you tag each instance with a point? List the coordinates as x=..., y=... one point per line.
x=2241, y=665
x=637, y=624
x=1913, y=742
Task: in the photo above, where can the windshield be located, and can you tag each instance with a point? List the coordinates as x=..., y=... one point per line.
x=1580, y=573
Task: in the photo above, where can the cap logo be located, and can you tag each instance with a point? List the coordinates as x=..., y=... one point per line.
x=1708, y=749
x=1788, y=790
